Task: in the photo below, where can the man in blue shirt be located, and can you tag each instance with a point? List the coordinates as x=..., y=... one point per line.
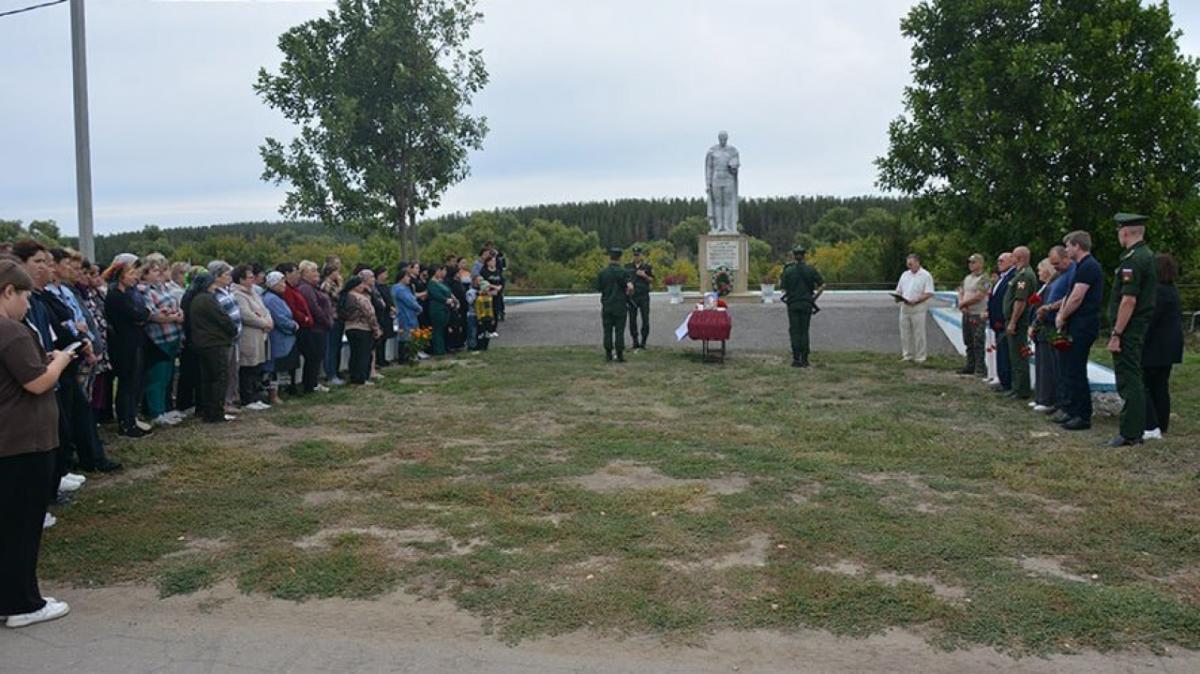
x=1079, y=317
x=1056, y=295
x=995, y=308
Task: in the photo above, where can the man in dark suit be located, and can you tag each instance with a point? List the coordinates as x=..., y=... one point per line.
x=995, y=309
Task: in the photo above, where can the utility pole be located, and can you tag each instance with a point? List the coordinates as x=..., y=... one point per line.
x=83, y=158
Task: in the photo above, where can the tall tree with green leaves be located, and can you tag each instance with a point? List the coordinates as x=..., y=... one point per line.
x=381, y=91
x=1030, y=118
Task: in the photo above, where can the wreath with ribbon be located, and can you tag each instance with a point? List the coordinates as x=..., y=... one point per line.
x=722, y=280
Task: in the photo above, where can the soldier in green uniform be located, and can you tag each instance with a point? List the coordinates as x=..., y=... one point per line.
x=1131, y=306
x=615, y=287
x=801, y=285
x=1016, y=321
x=642, y=274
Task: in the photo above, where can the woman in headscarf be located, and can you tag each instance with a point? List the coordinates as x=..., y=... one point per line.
x=283, y=333
x=211, y=333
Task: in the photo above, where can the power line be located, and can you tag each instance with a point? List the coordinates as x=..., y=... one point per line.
x=31, y=8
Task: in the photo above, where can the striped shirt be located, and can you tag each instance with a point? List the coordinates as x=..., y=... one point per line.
x=229, y=303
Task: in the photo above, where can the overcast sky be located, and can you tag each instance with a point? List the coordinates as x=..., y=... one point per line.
x=588, y=100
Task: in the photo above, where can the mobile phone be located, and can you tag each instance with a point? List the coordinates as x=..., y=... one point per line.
x=73, y=347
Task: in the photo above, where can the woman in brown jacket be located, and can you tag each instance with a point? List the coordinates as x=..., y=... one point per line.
x=28, y=435
x=362, y=327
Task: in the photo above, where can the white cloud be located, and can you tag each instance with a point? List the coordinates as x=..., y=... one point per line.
x=587, y=100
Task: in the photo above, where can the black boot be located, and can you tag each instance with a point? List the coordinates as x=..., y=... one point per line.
x=804, y=360
x=620, y=356
x=608, y=356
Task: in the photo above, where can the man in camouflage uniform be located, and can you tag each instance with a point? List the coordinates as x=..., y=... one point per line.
x=801, y=285
x=614, y=286
x=1132, y=304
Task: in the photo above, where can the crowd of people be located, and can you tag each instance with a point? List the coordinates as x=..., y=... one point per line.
x=145, y=342
x=1047, y=318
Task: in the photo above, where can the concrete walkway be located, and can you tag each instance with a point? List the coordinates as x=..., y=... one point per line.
x=849, y=321
x=129, y=630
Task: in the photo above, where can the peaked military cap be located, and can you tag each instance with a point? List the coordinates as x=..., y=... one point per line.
x=798, y=250
x=638, y=250
x=1130, y=220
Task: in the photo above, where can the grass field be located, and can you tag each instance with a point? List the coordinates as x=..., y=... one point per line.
x=549, y=492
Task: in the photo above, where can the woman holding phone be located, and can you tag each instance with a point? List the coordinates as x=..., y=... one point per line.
x=28, y=437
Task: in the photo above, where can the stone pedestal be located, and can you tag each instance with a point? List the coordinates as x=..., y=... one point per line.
x=729, y=250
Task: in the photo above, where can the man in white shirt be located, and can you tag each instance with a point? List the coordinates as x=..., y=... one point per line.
x=913, y=292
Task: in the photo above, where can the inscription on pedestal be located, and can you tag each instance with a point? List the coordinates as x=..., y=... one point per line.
x=722, y=254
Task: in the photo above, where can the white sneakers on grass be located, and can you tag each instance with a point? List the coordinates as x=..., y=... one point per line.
x=337, y=381
x=49, y=521
x=53, y=609
x=322, y=388
x=68, y=485
x=1044, y=409
x=258, y=406
x=1152, y=434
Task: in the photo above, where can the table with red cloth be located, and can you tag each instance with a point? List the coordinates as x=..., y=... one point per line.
x=710, y=325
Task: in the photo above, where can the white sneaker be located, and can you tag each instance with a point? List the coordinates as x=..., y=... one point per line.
x=75, y=477
x=337, y=381
x=230, y=417
x=258, y=406
x=53, y=609
x=1152, y=434
x=1033, y=404
x=189, y=412
x=68, y=485
x=47, y=522
x=175, y=414
x=421, y=355
x=1044, y=409
x=377, y=376
x=322, y=388
x=494, y=335
x=164, y=420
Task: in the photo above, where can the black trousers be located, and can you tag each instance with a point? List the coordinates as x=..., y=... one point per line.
x=213, y=369
x=250, y=387
x=361, y=344
x=85, y=437
x=189, y=378
x=1003, y=367
x=639, y=305
x=24, y=494
x=1158, y=397
x=130, y=369
x=1074, y=374
x=312, y=348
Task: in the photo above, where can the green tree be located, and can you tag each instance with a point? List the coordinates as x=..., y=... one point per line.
x=686, y=235
x=1029, y=118
x=380, y=89
x=11, y=230
x=45, y=231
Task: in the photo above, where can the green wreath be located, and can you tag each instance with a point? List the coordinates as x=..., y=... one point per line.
x=722, y=280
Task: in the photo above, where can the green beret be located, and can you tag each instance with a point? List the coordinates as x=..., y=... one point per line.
x=1130, y=220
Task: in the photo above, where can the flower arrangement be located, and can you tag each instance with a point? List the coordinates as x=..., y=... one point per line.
x=1034, y=300
x=675, y=279
x=418, y=342
x=1061, y=341
x=722, y=281
x=1026, y=350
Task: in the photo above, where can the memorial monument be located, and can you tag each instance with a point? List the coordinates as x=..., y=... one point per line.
x=724, y=247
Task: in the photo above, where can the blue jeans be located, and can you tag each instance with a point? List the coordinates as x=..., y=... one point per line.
x=333, y=349
x=472, y=331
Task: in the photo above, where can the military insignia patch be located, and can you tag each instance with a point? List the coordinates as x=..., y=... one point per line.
x=1020, y=285
x=1126, y=275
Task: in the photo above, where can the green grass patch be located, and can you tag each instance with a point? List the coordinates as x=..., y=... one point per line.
x=551, y=492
